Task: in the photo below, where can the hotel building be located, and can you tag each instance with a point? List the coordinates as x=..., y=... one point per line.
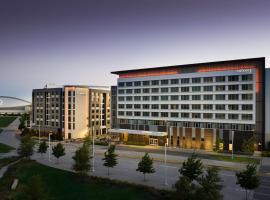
x=192, y=105
x=72, y=110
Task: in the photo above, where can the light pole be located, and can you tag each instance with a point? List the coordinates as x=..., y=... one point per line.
x=39, y=134
x=232, y=143
x=93, y=145
x=165, y=156
x=50, y=146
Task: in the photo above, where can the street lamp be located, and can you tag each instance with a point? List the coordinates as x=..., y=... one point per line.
x=93, y=153
x=165, y=155
x=232, y=143
x=39, y=134
x=50, y=146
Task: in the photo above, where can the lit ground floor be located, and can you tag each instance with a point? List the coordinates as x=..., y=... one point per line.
x=187, y=138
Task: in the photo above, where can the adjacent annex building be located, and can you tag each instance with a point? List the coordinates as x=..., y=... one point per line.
x=73, y=111
x=13, y=105
x=192, y=105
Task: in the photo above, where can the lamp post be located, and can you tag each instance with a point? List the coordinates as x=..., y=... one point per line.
x=93, y=145
x=232, y=143
x=39, y=134
x=50, y=146
x=165, y=156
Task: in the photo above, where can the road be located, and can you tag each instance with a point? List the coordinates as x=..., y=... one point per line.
x=127, y=164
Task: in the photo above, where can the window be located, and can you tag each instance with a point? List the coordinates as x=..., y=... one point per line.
x=174, y=81
x=129, y=106
x=185, y=106
x=137, y=91
x=137, y=98
x=128, y=113
x=184, y=89
x=247, y=87
x=137, y=83
x=196, y=97
x=137, y=106
x=208, y=79
x=233, y=107
x=146, y=90
x=247, y=96
x=185, y=80
x=246, y=116
x=207, y=88
x=121, y=106
x=220, y=107
x=120, y=84
x=196, y=115
x=164, y=106
x=196, y=107
x=233, y=97
x=174, y=89
x=154, y=98
x=155, y=90
x=196, y=80
x=174, y=106
x=129, y=91
x=129, y=98
x=185, y=115
x=174, y=115
x=121, y=113
x=155, y=106
x=207, y=97
x=220, y=87
x=220, y=97
x=146, y=114
x=137, y=114
x=232, y=116
x=129, y=84
x=121, y=91
x=196, y=88
x=163, y=114
x=184, y=97
x=233, y=78
x=146, y=98
x=154, y=114
x=207, y=115
x=164, y=90
x=220, y=116
x=233, y=87
x=146, y=83
x=208, y=107
x=247, y=77
x=174, y=97
x=146, y=106
x=220, y=79
x=119, y=99
x=164, y=98
x=155, y=82
x=164, y=82
x=247, y=107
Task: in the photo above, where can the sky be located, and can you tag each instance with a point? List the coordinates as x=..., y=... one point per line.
x=82, y=41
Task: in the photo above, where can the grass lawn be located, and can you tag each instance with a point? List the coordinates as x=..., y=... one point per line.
x=6, y=161
x=5, y=148
x=63, y=185
x=6, y=120
x=239, y=159
x=1, y=130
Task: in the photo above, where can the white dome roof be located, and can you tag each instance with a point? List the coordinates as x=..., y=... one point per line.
x=8, y=102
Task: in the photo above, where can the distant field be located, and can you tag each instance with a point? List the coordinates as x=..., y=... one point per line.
x=6, y=120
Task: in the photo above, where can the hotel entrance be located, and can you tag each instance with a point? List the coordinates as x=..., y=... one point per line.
x=153, y=141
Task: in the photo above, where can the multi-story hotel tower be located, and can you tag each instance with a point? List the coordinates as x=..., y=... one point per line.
x=192, y=105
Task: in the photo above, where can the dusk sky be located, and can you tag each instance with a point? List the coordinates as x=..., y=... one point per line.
x=82, y=41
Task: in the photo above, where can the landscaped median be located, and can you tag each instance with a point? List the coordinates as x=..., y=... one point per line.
x=5, y=148
x=59, y=184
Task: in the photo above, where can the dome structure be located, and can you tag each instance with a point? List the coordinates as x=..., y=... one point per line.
x=12, y=105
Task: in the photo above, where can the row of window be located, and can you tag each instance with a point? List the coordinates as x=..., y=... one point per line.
x=187, y=89
x=187, y=106
x=233, y=78
x=186, y=115
x=187, y=97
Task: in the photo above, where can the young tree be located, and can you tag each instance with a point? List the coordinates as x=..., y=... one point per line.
x=26, y=147
x=248, y=145
x=210, y=185
x=146, y=165
x=58, y=151
x=110, y=159
x=248, y=178
x=82, y=160
x=192, y=168
x=184, y=189
x=42, y=148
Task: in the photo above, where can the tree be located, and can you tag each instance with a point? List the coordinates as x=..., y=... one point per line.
x=192, y=168
x=210, y=187
x=82, y=160
x=110, y=159
x=248, y=178
x=146, y=165
x=185, y=189
x=58, y=151
x=26, y=147
x=42, y=147
x=248, y=145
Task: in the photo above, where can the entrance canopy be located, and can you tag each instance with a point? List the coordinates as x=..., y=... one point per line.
x=138, y=132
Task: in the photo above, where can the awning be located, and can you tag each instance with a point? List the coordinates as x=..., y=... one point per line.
x=138, y=132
